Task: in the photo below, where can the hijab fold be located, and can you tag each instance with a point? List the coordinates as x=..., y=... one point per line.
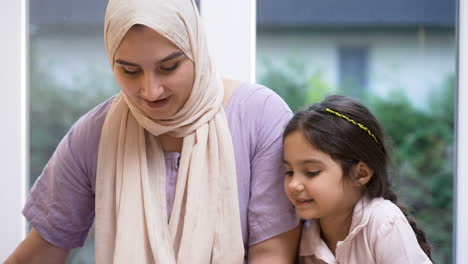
x=132, y=224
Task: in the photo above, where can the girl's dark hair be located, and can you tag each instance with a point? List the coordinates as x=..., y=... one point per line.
x=348, y=143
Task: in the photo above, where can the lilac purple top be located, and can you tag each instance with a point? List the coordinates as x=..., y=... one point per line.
x=60, y=205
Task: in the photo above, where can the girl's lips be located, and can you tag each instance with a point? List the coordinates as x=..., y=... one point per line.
x=300, y=202
x=157, y=103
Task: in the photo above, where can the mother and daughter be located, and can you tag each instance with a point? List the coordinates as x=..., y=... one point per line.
x=183, y=166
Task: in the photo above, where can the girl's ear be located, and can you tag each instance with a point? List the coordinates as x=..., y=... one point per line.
x=362, y=173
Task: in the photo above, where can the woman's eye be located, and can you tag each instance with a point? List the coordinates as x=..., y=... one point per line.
x=170, y=68
x=289, y=173
x=131, y=70
x=312, y=173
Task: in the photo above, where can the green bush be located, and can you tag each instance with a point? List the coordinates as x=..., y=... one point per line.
x=296, y=87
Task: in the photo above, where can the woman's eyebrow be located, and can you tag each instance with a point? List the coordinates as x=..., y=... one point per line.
x=169, y=57
x=122, y=62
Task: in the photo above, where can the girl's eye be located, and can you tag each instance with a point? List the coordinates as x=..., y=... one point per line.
x=171, y=68
x=312, y=173
x=131, y=70
x=289, y=173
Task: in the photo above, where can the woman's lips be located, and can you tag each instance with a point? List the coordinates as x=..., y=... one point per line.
x=158, y=103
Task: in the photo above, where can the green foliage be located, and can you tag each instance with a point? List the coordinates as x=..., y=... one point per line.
x=54, y=107
x=423, y=155
x=422, y=144
x=293, y=84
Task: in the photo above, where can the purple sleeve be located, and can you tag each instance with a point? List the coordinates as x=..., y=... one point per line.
x=60, y=205
x=270, y=212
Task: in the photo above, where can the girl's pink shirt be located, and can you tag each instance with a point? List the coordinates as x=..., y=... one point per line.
x=379, y=233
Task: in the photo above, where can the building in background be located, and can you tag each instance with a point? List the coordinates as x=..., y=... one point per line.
x=363, y=44
x=353, y=45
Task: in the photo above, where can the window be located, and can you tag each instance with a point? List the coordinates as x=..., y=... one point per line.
x=399, y=59
x=353, y=70
x=321, y=74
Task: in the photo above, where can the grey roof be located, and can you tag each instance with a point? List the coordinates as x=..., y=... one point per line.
x=52, y=12
x=73, y=12
x=280, y=13
x=303, y=13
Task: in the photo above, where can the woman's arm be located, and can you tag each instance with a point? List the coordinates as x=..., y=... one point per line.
x=273, y=224
x=35, y=249
x=278, y=249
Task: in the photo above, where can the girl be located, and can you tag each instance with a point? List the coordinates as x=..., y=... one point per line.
x=336, y=163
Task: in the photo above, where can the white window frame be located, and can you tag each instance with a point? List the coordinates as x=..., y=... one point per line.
x=230, y=27
x=13, y=141
x=235, y=57
x=461, y=179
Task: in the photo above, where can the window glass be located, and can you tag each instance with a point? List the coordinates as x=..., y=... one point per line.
x=69, y=74
x=397, y=57
x=353, y=70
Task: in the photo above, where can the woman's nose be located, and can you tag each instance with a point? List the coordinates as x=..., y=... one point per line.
x=151, y=88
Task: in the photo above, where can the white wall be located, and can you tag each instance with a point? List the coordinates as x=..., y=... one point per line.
x=230, y=29
x=13, y=126
x=415, y=60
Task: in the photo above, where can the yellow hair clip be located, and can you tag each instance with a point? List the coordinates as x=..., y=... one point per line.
x=363, y=127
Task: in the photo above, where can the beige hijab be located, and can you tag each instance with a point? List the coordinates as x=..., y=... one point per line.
x=131, y=217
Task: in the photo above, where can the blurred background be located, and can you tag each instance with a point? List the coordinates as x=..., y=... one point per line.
x=397, y=57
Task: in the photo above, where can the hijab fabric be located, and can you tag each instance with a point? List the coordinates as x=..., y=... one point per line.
x=131, y=218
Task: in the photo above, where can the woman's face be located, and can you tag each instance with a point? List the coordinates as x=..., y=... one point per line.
x=154, y=74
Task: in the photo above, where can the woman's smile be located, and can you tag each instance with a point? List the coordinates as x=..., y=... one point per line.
x=158, y=103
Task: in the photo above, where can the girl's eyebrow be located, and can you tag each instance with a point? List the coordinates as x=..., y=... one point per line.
x=304, y=162
x=169, y=57
x=311, y=161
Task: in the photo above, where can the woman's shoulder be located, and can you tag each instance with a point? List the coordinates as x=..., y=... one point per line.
x=256, y=96
x=89, y=125
x=96, y=115
x=84, y=136
x=257, y=103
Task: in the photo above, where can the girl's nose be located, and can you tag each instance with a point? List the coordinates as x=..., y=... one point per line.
x=296, y=186
x=151, y=88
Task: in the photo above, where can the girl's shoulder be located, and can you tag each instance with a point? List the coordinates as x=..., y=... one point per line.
x=382, y=208
x=384, y=214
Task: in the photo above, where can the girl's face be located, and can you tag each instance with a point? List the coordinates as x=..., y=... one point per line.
x=153, y=73
x=314, y=182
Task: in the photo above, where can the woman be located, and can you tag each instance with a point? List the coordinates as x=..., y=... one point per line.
x=180, y=167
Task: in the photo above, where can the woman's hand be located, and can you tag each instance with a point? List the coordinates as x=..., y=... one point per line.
x=35, y=249
x=279, y=249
